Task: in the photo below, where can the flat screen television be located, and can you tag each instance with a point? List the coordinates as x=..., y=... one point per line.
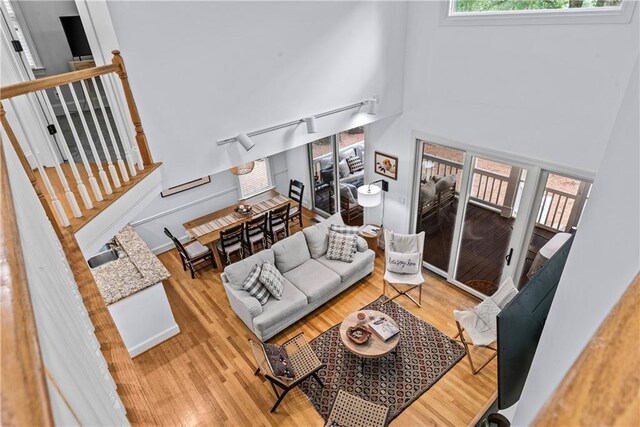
x=520, y=325
x=76, y=37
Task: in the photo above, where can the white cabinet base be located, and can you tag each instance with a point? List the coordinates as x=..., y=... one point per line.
x=144, y=319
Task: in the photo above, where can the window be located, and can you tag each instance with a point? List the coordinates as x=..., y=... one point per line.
x=14, y=21
x=488, y=6
x=256, y=181
x=536, y=12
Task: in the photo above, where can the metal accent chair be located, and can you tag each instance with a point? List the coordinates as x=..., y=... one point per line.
x=231, y=242
x=479, y=322
x=278, y=223
x=255, y=232
x=352, y=411
x=192, y=254
x=405, y=243
x=296, y=190
x=303, y=360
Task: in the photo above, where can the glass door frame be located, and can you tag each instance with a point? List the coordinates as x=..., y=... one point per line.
x=335, y=151
x=522, y=222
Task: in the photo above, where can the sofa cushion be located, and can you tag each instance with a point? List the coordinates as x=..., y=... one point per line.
x=446, y=182
x=253, y=286
x=317, y=236
x=342, y=246
x=361, y=261
x=313, y=279
x=272, y=279
x=428, y=192
x=291, y=252
x=343, y=168
x=238, y=271
x=277, y=311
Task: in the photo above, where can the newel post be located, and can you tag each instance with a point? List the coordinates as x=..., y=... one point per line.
x=141, y=138
x=28, y=170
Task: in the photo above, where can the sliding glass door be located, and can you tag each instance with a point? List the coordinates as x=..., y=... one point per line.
x=337, y=168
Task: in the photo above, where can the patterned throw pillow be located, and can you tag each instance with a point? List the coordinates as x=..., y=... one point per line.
x=355, y=164
x=271, y=278
x=279, y=361
x=256, y=289
x=344, y=229
x=342, y=247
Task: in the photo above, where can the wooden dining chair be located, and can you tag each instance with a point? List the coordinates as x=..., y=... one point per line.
x=296, y=190
x=255, y=232
x=278, y=223
x=193, y=254
x=231, y=242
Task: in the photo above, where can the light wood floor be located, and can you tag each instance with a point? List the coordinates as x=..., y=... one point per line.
x=205, y=375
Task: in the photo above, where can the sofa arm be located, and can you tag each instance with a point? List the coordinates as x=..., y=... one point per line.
x=243, y=304
x=362, y=244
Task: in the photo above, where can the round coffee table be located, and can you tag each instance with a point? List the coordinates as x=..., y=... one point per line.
x=373, y=348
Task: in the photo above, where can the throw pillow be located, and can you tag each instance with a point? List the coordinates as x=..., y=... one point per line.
x=343, y=168
x=446, y=182
x=279, y=361
x=355, y=164
x=403, y=263
x=344, y=229
x=254, y=287
x=271, y=278
x=342, y=247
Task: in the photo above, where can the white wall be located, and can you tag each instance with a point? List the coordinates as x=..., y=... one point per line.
x=204, y=71
x=548, y=92
x=604, y=259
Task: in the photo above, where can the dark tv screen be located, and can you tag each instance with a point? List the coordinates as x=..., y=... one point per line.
x=520, y=326
x=76, y=37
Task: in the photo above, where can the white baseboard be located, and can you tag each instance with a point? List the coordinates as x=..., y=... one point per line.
x=154, y=341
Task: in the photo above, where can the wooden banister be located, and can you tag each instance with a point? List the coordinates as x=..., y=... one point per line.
x=603, y=385
x=27, y=169
x=23, y=393
x=52, y=81
x=141, y=138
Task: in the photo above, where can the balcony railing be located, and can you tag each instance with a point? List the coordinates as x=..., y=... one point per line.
x=559, y=210
x=101, y=153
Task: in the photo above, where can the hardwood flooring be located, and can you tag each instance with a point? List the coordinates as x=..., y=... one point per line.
x=205, y=375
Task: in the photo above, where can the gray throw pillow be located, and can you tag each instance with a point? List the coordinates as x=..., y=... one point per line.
x=317, y=236
x=342, y=247
x=271, y=278
x=253, y=286
x=343, y=168
x=446, y=183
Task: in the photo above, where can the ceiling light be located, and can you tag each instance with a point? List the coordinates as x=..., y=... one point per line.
x=243, y=168
x=245, y=141
x=311, y=124
x=372, y=106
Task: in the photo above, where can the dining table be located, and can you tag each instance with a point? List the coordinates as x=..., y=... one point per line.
x=206, y=229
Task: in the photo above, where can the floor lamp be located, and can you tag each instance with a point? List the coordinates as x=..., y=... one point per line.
x=370, y=195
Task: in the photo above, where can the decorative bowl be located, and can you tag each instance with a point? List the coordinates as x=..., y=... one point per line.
x=358, y=334
x=244, y=209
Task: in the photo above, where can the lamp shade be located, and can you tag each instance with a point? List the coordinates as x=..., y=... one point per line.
x=369, y=196
x=243, y=168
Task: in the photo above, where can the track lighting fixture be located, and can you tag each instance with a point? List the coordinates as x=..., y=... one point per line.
x=311, y=124
x=372, y=106
x=245, y=141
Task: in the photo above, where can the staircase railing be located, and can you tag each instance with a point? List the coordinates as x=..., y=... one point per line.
x=105, y=158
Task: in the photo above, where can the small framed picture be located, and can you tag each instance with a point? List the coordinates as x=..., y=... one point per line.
x=386, y=165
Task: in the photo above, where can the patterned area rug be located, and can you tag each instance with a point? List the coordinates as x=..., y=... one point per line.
x=424, y=355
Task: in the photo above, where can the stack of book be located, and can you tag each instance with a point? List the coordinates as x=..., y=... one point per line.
x=383, y=328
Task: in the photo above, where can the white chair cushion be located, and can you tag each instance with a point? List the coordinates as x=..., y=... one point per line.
x=195, y=249
x=505, y=293
x=230, y=249
x=480, y=322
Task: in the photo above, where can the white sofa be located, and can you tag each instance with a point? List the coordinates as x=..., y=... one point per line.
x=311, y=279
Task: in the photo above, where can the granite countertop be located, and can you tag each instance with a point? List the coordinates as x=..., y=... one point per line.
x=138, y=269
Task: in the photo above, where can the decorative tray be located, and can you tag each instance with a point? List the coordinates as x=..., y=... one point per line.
x=244, y=209
x=358, y=334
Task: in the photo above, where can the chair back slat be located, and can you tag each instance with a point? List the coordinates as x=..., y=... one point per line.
x=231, y=236
x=279, y=215
x=296, y=191
x=256, y=225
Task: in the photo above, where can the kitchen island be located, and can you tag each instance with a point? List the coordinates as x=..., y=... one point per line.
x=131, y=286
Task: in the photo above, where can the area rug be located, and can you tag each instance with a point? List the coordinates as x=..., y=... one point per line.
x=424, y=355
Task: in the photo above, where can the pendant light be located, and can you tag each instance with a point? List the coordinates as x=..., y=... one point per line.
x=242, y=168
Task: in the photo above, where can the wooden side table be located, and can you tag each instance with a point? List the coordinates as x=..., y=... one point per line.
x=371, y=238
